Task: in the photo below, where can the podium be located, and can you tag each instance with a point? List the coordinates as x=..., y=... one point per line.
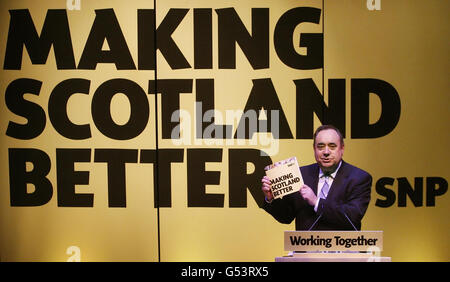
x=333, y=246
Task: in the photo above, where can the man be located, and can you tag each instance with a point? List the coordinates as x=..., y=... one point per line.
x=335, y=194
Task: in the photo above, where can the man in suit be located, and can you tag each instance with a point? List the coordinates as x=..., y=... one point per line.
x=335, y=194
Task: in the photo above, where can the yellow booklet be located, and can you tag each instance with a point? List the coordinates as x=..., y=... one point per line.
x=285, y=177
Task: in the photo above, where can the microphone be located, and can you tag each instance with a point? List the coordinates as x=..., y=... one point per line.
x=349, y=220
x=315, y=222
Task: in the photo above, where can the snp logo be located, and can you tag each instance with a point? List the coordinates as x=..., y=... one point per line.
x=73, y=5
x=374, y=5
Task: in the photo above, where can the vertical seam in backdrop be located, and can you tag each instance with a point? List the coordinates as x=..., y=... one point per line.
x=323, y=61
x=156, y=163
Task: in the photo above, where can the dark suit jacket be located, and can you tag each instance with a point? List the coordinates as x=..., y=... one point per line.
x=349, y=195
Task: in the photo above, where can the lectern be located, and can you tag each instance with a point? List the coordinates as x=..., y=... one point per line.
x=333, y=246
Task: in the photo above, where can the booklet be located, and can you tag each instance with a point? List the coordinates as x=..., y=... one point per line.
x=285, y=177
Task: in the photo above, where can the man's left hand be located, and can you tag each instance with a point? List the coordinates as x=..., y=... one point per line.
x=308, y=195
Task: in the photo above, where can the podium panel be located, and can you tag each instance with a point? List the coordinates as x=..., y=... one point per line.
x=333, y=240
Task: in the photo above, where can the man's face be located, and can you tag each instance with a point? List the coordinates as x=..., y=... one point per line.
x=328, y=149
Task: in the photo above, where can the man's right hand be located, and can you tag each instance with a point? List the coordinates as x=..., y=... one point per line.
x=266, y=188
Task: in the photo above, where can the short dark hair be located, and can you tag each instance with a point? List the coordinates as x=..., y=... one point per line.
x=328, y=126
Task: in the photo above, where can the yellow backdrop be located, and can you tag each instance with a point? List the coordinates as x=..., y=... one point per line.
x=203, y=217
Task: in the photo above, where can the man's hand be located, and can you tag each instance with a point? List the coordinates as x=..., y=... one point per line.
x=308, y=195
x=266, y=188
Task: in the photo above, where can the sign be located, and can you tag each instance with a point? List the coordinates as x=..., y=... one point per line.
x=285, y=177
x=333, y=240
